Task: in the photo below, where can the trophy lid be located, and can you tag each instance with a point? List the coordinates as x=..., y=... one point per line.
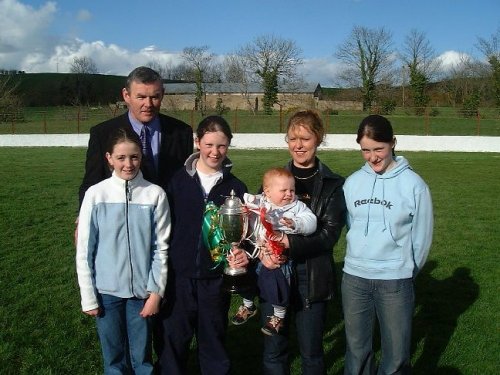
x=232, y=205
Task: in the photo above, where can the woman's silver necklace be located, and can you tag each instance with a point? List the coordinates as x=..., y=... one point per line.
x=308, y=177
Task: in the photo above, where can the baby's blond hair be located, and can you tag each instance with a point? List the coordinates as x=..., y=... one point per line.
x=275, y=172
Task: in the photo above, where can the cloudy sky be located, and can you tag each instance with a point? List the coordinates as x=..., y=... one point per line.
x=45, y=36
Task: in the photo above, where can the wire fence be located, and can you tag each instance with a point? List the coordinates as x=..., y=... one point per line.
x=79, y=120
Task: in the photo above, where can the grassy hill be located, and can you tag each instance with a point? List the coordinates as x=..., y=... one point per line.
x=56, y=89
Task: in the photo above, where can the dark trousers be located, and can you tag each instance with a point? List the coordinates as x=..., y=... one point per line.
x=310, y=325
x=193, y=307
x=273, y=286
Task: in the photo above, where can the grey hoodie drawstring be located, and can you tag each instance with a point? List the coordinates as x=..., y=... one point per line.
x=401, y=165
x=383, y=199
x=370, y=205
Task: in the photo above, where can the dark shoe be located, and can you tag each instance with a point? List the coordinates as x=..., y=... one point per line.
x=273, y=326
x=243, y=314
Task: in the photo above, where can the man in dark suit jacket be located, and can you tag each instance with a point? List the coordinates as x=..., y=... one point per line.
x=171, y=140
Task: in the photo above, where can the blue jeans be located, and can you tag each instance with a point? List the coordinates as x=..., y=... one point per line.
x=125, y=336
x=392, y=303
x=310, y=321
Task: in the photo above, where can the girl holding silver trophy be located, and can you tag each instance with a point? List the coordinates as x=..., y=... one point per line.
x=195, y=303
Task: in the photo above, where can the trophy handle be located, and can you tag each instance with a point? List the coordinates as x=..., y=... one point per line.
x=251, y=233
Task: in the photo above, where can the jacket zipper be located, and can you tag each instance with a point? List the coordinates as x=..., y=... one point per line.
x=128, y=198
x=314, y=205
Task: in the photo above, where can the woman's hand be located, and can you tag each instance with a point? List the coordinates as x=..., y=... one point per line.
x=284, y=241
x=280, y=237
x=269, y=259
x=237, y=258
x=151, y=306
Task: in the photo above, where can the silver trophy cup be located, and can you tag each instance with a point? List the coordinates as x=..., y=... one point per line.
x=233, y=220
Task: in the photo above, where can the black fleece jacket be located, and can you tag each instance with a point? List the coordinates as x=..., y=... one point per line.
x=188, y=257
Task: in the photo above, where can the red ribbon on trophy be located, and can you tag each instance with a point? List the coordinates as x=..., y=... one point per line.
x=276, y=246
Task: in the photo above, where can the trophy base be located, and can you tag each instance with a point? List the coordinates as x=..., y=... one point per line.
x=236, y=283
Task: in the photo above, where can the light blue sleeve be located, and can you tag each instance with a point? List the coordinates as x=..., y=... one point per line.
x=422, y=229
x=85, y=252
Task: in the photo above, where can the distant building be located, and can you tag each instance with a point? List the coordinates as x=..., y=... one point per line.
x=182, y=96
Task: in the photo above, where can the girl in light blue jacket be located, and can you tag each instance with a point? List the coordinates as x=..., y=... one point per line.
x=121, y=260
x=390, y=224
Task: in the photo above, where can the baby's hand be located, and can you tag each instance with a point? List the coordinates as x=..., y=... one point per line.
x=276, y=236
x=287, y=222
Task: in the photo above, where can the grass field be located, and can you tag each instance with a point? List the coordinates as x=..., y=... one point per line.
x=65, y=120
x=42, y=331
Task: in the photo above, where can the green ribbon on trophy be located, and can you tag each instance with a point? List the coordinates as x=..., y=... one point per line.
x=213, y=236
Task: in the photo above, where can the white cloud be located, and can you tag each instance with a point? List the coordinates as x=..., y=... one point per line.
x=450, y=59
x=83, y=15
x=322, y=71
x=109, y=58
x=25, y=44
x=23, y=31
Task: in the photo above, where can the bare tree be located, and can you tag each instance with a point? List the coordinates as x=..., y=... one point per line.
x=464, y=85
x=182, y=72
x=491, y=50
x=418, y=51
x=199, y=60
x=421, y=60
x=10, y=102
x=83, y=65
x=235, y=70
x=215, y=72
x=368, y=57
x=162, y=69
x=271, y=58
x=83, y=86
